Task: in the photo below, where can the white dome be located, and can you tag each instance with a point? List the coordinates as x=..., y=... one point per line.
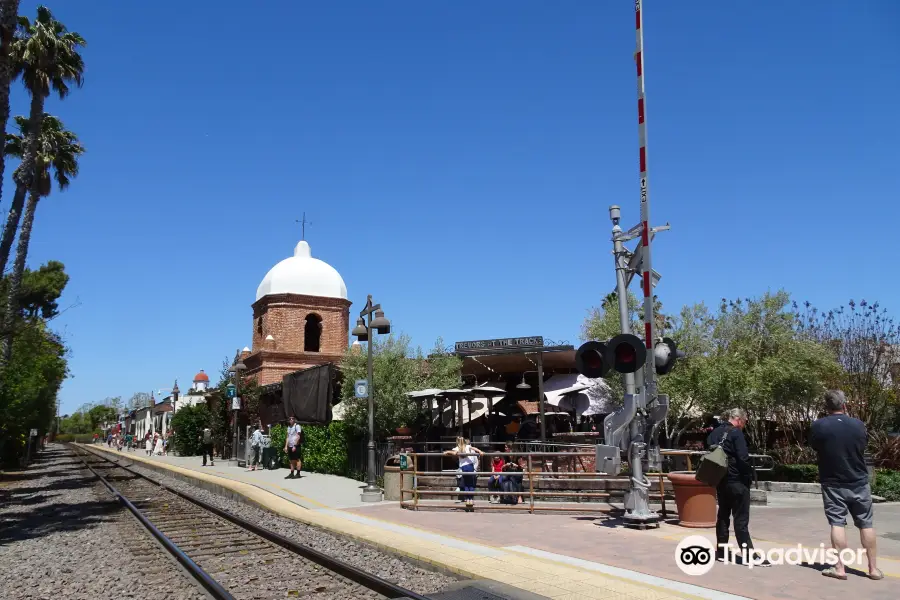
x=302, y=274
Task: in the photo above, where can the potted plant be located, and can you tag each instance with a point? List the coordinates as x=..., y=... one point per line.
x=403, y=430
x=696, y=501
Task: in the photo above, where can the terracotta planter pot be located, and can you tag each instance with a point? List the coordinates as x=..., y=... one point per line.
x=695, y=500
x=403, y=430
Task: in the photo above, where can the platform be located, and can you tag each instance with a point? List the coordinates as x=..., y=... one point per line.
x=561, y=556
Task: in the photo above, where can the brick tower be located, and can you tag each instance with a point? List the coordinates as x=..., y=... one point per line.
x=301, y=318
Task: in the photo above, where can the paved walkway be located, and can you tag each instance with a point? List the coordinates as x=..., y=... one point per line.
x=312, y=490
x=562, y=556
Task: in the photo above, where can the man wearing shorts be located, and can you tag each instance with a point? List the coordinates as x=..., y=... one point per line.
x=292, y=447
x=840, y=442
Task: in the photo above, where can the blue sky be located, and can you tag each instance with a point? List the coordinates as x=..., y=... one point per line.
x=457, y=160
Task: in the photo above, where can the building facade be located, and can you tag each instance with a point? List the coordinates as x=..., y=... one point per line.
x=301, y=318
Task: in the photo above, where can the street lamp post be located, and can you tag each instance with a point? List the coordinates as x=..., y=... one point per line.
x=364, y=331
x=175, y=392
x=236, y=370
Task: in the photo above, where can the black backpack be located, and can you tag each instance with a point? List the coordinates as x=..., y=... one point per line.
x=510, y=492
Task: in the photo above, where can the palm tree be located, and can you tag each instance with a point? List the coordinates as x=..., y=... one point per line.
x=45, y=54
x=9, y=16
x=58, y=153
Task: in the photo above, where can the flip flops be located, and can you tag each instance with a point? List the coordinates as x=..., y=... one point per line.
x=832, y=572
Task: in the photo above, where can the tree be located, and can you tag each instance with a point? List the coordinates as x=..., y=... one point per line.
x=57, y=148
x=865, y=341
x=397, y=370
x=603, y=323
x=188, y=424
x=688, y=384
x=9, y=16
x=41, y=290
x=59, y=152
x=759, y=363
x=139, y=400
x=46, y=56
x=31, y=383
x=28, y=394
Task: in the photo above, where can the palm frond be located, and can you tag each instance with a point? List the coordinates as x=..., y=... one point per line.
x=45, y=55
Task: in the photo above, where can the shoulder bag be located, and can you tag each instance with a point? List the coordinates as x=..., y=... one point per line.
x=713, y=465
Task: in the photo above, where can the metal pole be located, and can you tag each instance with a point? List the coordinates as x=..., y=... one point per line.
x=237, y=394
x=622, y=294
x=371, y=493
x=646, y=264
x=540, y=374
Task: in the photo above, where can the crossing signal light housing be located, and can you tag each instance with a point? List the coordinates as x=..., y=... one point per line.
x=590, y=360
x=626, y=353
x=665, y=354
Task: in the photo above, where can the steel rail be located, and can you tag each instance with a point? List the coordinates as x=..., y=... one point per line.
x=203, y=578
x=367, y=580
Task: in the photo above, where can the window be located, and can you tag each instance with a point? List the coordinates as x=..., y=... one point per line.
x=259, y=326
x=312, y=333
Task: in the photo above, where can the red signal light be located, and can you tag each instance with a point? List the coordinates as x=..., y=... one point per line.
x=626, y=353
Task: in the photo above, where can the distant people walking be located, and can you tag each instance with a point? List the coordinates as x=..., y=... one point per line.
x=292, y=445
x=158, y=445
x=256, y=442
x=148, y=444
x=840, y=441
x=733, y=492
x=207, y=441
x=466, y=465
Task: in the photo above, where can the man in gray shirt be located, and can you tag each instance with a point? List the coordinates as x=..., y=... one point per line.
x=840, y=442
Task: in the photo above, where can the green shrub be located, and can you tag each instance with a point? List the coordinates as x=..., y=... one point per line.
x=277, y=438
x=188, y=424
x=326, y=448
x=791, y=473
x=887, y=484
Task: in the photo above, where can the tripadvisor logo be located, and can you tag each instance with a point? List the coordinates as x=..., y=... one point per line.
x=695, y=555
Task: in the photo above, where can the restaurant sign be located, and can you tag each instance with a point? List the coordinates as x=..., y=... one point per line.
x=519, y=342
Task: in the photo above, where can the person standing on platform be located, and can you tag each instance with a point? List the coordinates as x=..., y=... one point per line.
x=256, y=442
x=292, y=447
x=207, y=443
x=840, y=442
x=733, y=492
x=148, y=444
x=466, y=465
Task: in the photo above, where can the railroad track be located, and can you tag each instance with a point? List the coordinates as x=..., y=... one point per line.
x=228, y=556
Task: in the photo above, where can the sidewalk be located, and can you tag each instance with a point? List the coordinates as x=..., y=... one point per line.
x=559, y=556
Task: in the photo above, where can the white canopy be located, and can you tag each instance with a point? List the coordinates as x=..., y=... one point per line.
x=573, y=391
x=338, y=410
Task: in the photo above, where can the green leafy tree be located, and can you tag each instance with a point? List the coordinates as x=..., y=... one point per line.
x=397, y=370
x=46, y=55
x=188, y=424
x=759, y=363
x=31, y=383
x=865, y=341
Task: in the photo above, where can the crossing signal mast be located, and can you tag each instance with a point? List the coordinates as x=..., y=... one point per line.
x=633, y=429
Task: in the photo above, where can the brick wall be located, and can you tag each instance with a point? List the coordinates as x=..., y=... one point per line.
x=283, y=316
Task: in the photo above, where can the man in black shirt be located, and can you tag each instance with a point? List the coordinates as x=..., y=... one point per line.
x=840, y=442
x=733, y=493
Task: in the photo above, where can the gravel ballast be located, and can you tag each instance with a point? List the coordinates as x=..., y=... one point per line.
x=64, y=537
x=367, y=558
